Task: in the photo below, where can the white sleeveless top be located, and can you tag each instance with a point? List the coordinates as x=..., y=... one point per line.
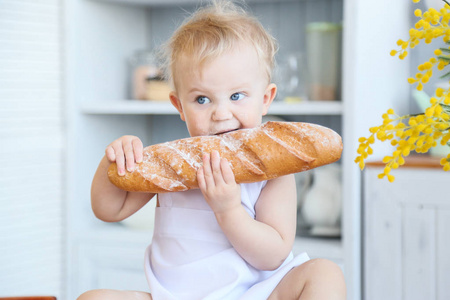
x=191, y=258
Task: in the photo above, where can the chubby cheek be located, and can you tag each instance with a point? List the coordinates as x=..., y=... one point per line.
x=196, y=132
x=250, y=120
x=193, y=122
x=196, y=127
x=251, y=114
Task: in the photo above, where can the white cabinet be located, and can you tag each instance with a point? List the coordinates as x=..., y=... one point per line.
x=112, y=261
x=101, y=35
x=406, y=236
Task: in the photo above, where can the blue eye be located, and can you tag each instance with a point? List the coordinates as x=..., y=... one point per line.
x=203, y=100
x=237, y=96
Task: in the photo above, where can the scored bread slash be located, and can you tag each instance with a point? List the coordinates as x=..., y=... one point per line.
x=271, y=150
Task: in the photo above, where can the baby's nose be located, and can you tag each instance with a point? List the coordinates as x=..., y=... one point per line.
x=222, y=112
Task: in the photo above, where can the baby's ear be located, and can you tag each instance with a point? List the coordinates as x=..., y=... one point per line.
x=269, y=95
x=177, y=103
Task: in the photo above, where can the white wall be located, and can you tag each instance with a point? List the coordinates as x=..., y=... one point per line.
x=31, y=148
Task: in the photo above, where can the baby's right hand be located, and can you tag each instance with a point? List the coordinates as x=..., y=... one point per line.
x=125, y=152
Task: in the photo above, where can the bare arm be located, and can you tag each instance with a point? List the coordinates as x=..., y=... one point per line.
x=266, y=241
x=109, y=203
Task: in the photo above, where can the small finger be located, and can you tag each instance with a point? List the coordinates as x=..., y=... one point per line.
x=110, y=154
x=129, y=156
x=201, y=179
x=207, y=171
x=120, y=162
x=227, y=171
x=138, y=150
x=215, y=165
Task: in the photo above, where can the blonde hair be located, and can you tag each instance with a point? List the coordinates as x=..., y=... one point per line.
x=214, y=30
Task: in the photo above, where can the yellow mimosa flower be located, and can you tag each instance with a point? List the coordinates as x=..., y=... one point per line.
x=418, y=132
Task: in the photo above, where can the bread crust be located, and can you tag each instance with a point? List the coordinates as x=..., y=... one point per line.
x=271, y=150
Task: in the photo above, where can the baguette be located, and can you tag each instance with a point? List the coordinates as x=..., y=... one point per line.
x=266, y=152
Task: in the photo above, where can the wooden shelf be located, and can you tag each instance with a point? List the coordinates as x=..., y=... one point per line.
x=128, y=107
x=155, y=3
x=139, y=107
x=413, y=161
x=307, y=108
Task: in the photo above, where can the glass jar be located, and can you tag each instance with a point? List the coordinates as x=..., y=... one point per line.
x=290, y=77
x=323, y=44
x=147, y=82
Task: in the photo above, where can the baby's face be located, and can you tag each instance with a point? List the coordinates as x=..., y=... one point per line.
x=228, y=93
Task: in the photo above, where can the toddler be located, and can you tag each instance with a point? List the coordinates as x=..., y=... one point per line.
x=224, y=240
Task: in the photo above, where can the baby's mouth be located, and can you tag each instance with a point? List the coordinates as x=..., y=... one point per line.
x=226, y=131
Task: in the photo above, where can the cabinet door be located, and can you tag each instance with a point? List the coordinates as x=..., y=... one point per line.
x=107, y=265
x=406, y=235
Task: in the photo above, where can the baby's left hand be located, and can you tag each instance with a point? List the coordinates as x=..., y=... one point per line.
x=217, y=183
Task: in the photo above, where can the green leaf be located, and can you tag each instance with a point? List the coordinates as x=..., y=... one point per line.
x=444, y=58
x=445, y=75
x=446, y=50
x=445, y=108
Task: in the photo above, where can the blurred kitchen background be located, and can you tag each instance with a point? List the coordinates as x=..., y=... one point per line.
x=77, y=74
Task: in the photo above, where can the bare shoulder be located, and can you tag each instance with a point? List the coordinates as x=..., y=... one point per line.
x=280, y=184
x=277, y=199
